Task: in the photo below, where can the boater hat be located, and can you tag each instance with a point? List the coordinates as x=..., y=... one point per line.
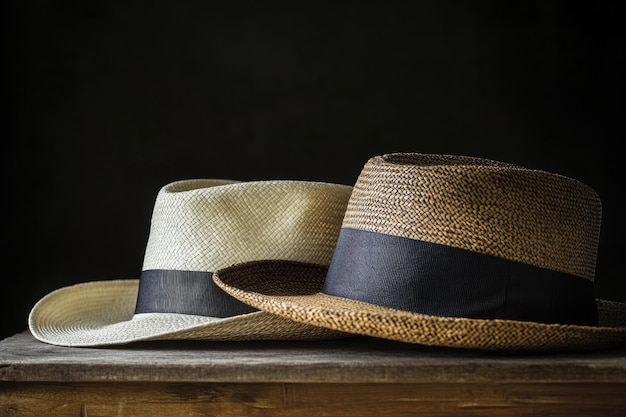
x=197, y=227
x=453, y=251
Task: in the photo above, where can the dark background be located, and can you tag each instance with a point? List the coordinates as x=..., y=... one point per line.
x=104, y=102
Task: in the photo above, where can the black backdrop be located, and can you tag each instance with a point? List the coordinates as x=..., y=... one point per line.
x=104, y=102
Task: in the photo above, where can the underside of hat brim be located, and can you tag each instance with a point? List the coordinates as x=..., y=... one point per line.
x=101, y=313
x=291, y=290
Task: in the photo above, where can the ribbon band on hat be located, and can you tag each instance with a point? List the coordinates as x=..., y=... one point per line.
x=439, y=280
x=185, y=292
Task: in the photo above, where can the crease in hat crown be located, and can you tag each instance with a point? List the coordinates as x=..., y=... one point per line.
x=456, y=251
x=198, y=226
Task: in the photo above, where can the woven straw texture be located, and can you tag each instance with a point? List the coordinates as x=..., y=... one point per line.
x=203, y=225
x=523, y=215
x=538, y=218
x=205, y=228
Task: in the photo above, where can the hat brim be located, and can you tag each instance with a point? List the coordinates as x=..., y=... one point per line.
x=101, y=313
x=292, y=290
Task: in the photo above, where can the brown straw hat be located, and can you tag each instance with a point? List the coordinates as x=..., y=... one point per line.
x=452, y=251
x=197, y=227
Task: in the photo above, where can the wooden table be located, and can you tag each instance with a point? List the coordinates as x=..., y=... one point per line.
x=344, y=377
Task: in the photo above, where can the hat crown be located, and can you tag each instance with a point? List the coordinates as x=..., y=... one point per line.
x=199, y=226
x=203, y=225
x=530, y=216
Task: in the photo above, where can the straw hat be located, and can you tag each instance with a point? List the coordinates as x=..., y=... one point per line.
x=197, y=227
x=453, y=251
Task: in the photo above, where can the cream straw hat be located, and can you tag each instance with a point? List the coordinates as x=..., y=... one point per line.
x=452, y=251
x=197, y=227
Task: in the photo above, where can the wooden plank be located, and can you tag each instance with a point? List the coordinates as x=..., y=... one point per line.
x=319, y=400
x=355, y=360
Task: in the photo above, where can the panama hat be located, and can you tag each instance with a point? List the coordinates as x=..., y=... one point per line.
x=198, y=226
x=455, y=251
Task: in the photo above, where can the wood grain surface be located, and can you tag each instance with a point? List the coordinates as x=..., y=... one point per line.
x=347, y=377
